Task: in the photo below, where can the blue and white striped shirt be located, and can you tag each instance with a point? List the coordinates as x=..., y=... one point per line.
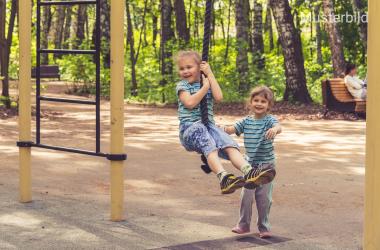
x=258, y=149
x=193, y=115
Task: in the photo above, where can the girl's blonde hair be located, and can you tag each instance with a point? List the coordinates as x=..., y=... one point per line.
x=264, y=91
x=187, y=53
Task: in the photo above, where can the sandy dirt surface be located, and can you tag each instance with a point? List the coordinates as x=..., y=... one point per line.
x=169, y=202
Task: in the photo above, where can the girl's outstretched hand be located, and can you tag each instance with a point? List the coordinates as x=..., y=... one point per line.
x=205, y=68
x=271, y=133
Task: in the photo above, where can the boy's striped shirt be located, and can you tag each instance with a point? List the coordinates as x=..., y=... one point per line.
x=258, y=149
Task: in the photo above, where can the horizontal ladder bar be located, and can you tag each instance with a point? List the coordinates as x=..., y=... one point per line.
x=53, y=99
x=67, y=51
x=67, y=2
x=70, y=150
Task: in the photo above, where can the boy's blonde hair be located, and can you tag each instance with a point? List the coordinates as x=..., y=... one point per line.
x=266, y=92
x=187, y=53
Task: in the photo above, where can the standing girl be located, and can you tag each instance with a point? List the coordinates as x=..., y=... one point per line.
x=259, y=131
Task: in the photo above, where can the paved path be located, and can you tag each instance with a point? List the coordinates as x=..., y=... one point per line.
x=170, y=203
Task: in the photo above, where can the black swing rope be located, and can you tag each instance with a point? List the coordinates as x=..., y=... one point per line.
x=205, y=50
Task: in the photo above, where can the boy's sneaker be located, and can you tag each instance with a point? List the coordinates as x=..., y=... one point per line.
x=258, y=176
x=230, y=183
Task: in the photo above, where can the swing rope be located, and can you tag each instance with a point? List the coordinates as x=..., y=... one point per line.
x=205, y=50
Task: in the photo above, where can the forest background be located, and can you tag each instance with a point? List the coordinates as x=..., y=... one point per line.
x=290, y=46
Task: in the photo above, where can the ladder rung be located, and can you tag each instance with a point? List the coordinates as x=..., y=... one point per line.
x=66, y=51
x=67, y=2
x=53, y=99
x=71, y=150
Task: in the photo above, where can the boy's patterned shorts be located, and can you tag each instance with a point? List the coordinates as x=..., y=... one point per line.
x=196, y=137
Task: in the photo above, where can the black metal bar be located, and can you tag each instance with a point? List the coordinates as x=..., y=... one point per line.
x=68, y=2
x=67, y=51
x=24, y=144
x=70, y=150
x=38, y=76
x=53, y=99
x=97, y=74
x=116, y=157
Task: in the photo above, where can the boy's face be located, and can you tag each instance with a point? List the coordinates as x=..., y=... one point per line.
x=259, y=105
x=188, y=69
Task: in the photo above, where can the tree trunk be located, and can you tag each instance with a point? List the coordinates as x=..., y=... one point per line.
x=130, y=41
x=311, y=30
x=221, y=17
x=67, y=28
x=3, y=42
x=296, y=90
x=257, y=36
x=196, y=25
x=228, y=33
x=189, y=15
x=3, y=47
x=105, y=32
x=143, y=30
x=58, y=28
x=80, y=30
x=167, y=34
x=45, y=24
x=212, y=30
x=318, y=35
x=181, y=24
x=5, y=54
x=155, y=29
x=268, y=27
x=335, y=40
x=146, y=10
x=359, y=7
x=242, y=42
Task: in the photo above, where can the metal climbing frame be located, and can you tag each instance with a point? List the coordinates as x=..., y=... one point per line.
x=25, y=142
x=39, y=97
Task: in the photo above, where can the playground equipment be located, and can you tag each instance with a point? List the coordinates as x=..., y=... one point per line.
x=372, y=173
x=116, y=155
x=372, y=198
x=205, y=49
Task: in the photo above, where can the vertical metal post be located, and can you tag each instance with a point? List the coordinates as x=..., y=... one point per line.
x=97, y=61
x=372, y=172
x=38, y=76
x=117, y=107
x=25, y=117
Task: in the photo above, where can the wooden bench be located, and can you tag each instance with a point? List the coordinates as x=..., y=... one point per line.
x=337, y=98
x=47, y=71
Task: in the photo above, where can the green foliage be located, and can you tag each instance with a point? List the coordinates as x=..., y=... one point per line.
x=80, y=69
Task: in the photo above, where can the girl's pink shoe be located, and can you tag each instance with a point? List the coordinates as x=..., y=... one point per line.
x=265, y=235
x=239, y=230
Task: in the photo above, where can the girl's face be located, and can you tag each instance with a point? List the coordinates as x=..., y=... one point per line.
x=189, y=69
x=259, y=105
x=354, y=71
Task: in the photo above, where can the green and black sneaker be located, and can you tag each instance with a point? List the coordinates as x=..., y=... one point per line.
x=230, y=183
x=258, y=176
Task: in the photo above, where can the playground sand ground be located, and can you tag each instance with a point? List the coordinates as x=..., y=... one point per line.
x=169, y=202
